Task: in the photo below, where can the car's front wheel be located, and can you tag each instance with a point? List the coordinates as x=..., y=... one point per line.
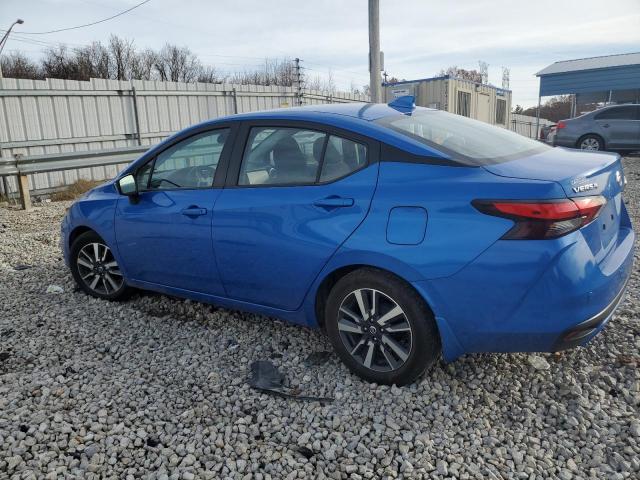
x=381, y=328
x=95, y=269
x=591, y=142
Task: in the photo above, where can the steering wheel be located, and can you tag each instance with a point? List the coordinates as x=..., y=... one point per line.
x=202, y=176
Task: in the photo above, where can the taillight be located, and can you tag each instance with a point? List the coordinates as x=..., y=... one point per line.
x=560, y=125
x=538, y=220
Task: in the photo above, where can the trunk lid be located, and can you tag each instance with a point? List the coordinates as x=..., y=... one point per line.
x=580, y=174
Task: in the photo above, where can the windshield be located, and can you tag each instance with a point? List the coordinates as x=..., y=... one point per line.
x=468, y=141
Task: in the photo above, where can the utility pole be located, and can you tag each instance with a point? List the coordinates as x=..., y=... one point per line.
x=3, y=42
x=374, y=51
x=385, y=75
x=298, y=92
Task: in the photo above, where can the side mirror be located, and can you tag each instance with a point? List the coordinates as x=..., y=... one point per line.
x=127, y=185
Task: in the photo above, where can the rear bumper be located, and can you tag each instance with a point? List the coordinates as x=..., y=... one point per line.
x=532, y=296
x=585, y=331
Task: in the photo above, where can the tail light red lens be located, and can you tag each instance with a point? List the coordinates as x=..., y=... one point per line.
x=560, y=125
x=538, y=220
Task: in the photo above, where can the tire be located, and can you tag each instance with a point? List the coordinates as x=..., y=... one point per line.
x=591, y=142
x=383, y=349
x=95, y=269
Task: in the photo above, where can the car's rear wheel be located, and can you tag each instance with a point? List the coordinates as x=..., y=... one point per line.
x=591, y=142
x=381, y=328
x=95, y=269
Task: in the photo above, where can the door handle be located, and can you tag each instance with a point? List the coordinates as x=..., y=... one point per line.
x=334, y=202
x=606, y=125
x=194, y=211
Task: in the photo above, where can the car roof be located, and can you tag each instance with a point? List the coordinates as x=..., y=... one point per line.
x=356, y=117
x=358, y=110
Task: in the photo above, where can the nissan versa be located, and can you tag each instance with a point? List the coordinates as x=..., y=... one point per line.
x=405, y=233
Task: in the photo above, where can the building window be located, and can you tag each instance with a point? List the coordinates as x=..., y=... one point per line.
x=501, y=112
x=464, y=103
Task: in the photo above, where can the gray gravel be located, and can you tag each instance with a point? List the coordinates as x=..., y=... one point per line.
x=156, y=388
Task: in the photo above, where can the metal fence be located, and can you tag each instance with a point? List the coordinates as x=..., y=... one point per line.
x=55, y=132
x=526, y=125
x=44, y=117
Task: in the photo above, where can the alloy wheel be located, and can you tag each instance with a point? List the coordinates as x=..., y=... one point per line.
x=590, y=143
x=98, y=269
x=375, y=330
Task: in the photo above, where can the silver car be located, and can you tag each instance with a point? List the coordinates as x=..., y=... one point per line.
x=615, y=128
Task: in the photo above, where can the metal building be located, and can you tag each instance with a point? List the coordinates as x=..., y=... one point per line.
x=593, y=82
x=464, y=97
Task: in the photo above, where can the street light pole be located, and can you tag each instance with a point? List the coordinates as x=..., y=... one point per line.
x=3, y=42
x=374, y=51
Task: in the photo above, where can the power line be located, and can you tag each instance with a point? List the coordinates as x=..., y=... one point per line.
x=341, y=75
x=88, y=24
x=361, y=74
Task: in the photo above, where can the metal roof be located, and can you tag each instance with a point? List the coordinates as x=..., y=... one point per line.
x=441, y=77
x=592, y=63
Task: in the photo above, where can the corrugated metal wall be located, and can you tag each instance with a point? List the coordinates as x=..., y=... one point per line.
x=431, y=93
x=583, y=81
x=476, y=91
x=442, y=93
x=54, y=116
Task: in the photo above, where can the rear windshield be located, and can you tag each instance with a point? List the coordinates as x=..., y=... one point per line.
x=468, y=141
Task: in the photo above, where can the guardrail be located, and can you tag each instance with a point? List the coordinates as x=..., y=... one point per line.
x=21, y=166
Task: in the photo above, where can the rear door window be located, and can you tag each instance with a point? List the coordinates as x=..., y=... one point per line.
x=281, y=156
x=619, y=113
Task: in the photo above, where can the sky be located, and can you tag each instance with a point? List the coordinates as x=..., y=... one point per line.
x=418, y=37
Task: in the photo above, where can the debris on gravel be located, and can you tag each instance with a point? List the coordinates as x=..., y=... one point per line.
x=156, y=387
x=538, y=362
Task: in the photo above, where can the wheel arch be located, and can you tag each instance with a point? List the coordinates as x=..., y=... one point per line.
x=77, y=231
x=591, y=134
x=332, y=277
x=451, y=346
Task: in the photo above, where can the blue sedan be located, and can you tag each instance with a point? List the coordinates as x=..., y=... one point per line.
x=405, y=233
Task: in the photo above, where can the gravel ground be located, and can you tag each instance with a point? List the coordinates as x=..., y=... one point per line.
x=157, y=388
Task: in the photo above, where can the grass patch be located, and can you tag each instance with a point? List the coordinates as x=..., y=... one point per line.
x=73, y=191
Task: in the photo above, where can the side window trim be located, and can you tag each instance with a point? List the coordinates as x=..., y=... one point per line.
x=322, y=155
x=223, y=162
x=372, y=146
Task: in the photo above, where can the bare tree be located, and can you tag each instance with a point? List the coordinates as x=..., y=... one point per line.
x=210, y=75
x=330, y=87
x=59, y=63
x=92, y=62
x=122, y=54
x=554, y=109
x=274, y=72
x=120, y=60
x=17, y=65
x=177, y=64
x=143, y=64
x=454, y=71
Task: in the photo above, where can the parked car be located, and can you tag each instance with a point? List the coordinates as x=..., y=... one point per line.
x=544, y=132
x=614, y=128
x=405, y=233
